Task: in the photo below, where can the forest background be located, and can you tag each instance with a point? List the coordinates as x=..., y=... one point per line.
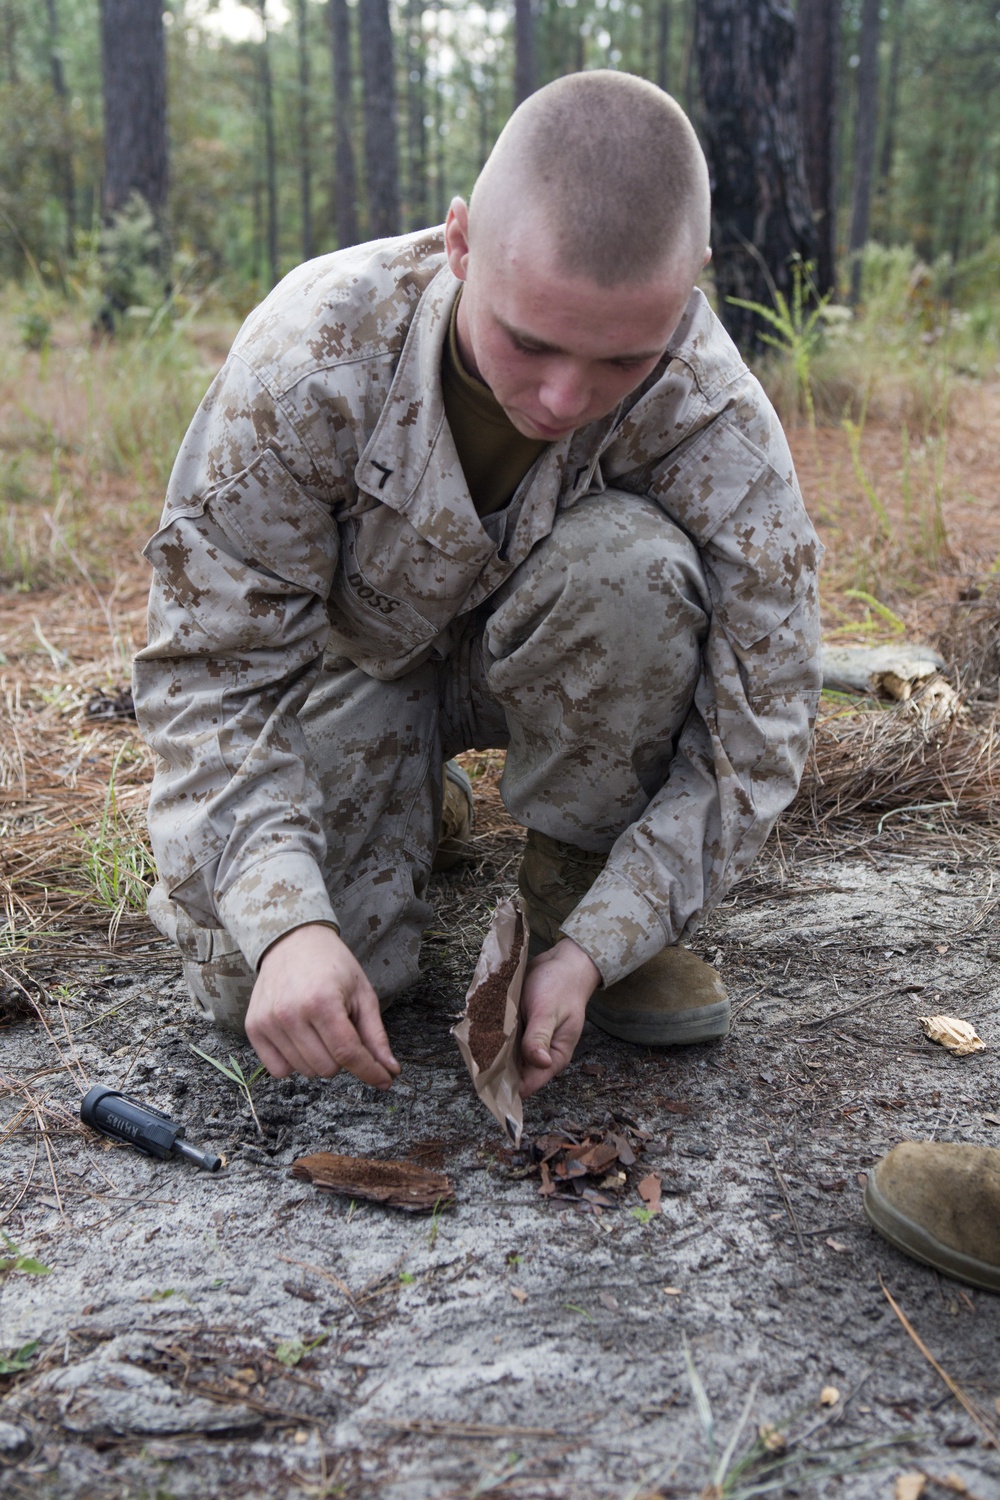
x=259, y=135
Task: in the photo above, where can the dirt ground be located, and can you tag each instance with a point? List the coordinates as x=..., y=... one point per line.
x=511, y=1345
x=244, y=1334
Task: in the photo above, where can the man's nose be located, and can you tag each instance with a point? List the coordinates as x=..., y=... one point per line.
x=565, y=391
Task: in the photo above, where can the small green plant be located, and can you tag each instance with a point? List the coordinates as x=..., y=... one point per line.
x=574, y=1307
x=35, y=327
x=234, y=1072
x=117, y=861
x=884, y=613
x=407, y=1278
x=18, y=1359
x=644, y=1215
x=497, y=1477
x=16, y=1261
x=853, y=431
x=514, y=1260
x=291, y=1351
x=798, y=328
x=161, y=1296
x=432, y=1233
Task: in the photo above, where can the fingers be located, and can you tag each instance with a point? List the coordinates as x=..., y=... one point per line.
x=372, y=1033
x=554, y=1005
x=314, y=1012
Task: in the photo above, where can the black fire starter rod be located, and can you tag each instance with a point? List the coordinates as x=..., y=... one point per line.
x=149, y=1130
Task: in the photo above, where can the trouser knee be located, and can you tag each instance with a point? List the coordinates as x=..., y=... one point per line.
x=593, y=649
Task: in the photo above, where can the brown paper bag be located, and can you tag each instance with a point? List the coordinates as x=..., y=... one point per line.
x=489, y=1033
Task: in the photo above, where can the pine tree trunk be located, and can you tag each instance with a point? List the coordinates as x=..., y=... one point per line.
x=864, y=138
x=378, y=73
x=891, y=103
x=663, y=45
x=762, y=217
x=270, y=160
x=345, y=188
x=305, y=135
x=64, y=162
x=416, y=115
x=10, y=25
x=524, y=51
x=819, y=66
x=134, y=70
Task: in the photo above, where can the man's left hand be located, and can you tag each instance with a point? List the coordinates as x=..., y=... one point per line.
x=557, y=986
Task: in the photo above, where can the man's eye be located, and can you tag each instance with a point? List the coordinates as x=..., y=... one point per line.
x=522, y=347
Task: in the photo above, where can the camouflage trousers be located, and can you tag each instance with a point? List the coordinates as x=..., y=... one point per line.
x=582, y=666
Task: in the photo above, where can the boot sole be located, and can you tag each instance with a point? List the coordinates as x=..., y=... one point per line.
x=915, y=1241
x=680, y=1028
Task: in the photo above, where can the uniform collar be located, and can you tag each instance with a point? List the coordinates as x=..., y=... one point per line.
x=411, y=465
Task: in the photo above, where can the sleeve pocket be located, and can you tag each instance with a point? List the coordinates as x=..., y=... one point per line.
x=762, y=560
x=277, y=525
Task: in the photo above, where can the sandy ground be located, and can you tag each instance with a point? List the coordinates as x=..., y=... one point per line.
x=512, y=1346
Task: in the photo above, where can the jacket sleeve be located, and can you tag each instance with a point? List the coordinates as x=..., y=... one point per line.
x=741, y=753
x=242, y=563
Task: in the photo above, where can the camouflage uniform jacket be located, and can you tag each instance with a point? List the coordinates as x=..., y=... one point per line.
x=318, y=505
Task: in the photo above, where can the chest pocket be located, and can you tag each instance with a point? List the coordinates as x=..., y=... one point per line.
x=394, y=592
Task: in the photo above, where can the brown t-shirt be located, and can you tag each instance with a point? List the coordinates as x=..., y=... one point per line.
x=495, y=457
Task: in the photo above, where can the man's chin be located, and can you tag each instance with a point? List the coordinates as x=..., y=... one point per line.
x=538, y=430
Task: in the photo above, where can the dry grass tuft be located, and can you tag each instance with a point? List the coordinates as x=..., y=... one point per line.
x=970, y=639
x=73, y=851
x=940, y=778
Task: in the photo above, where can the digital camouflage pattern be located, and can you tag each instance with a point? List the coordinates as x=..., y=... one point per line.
x=329, y=619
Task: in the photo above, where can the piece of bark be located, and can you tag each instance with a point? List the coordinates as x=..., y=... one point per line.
x=885, y=671
x=489, y=1032
x=398, y=1184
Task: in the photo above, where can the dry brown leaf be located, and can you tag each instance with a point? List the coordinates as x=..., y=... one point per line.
x=829, y=1396
x=398, y=1184
x=954, y=1483
x=837, y=1245
x=649, y=1192
x=773, y=1440
x=672, y=1291
x=909, y=1486
x=608, y=1300
x=519, y=1295
x=958, y=1036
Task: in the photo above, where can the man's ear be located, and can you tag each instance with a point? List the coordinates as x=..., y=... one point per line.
x=456, y=238
x=708, y=257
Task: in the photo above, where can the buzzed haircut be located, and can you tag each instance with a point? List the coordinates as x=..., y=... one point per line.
x=613, y=167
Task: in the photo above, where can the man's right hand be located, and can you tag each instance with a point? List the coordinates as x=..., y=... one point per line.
x=314, y=1012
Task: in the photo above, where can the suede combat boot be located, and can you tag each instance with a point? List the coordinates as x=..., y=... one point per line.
x=673, y=999
x=940, y=1203
x=456, y=819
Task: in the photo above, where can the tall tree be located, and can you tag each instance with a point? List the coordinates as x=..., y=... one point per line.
x=305, y=134
x=891, y=103
x=818, y=69
x=345, y=188
x=865, y=130
x=761, y=212
x=64, y=158
x=134, y=71
x=416, y=116
x=525, y=74
x=270, y=153
x=378, y=76
x=663, y=44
